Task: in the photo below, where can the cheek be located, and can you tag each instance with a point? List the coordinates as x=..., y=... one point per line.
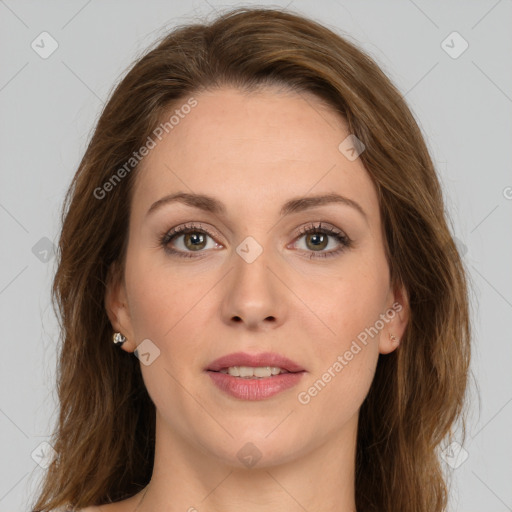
x=162, y=299
x=170, y=310
x=346, y=352
x=347, y=302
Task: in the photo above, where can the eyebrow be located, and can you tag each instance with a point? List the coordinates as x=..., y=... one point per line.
x=212, y=205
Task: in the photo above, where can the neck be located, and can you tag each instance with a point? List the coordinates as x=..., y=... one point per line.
x=189, y=478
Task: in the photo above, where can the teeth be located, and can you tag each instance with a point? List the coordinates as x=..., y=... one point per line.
x=248, y=372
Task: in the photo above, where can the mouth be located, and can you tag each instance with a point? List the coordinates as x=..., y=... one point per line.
x=250, y=372
x=241, y=364
x=254, y=377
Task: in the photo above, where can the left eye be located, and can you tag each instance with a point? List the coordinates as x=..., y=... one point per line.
x=317, y=239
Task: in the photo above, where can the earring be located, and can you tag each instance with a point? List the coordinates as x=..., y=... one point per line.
x=394, y=339
x=118, y=338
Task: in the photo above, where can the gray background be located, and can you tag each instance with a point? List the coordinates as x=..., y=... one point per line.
x=49, y=107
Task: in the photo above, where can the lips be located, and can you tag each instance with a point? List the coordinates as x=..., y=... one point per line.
x=254, y=360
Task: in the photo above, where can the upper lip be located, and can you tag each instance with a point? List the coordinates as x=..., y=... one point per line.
x=254, y=360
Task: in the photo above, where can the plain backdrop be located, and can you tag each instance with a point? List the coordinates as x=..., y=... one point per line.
x=459, y=87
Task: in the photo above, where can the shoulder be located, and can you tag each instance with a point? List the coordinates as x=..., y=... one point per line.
x=110, y=507
x=119, y=506
x=88, y=509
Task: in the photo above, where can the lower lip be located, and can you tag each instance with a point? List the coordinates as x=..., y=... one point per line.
x=254, y=389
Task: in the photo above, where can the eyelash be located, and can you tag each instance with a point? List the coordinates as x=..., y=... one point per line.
x=344, y=241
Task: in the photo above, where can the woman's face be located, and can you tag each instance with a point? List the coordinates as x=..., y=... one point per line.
x=248, y=277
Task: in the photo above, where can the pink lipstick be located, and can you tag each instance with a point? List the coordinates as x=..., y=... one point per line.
x=254, y=376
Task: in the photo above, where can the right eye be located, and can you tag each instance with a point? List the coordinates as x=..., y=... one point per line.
x=184, y=240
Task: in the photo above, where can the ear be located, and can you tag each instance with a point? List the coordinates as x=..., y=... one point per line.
x=116, y=305
x=397, y=315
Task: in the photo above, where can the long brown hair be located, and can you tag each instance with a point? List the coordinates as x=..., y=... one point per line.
x=106, y=425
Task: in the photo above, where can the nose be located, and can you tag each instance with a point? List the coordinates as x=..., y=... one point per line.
x=254, y=295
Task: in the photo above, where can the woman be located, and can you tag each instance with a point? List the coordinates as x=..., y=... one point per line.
x=262, y=304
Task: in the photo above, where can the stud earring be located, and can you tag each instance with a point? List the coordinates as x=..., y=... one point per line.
x=394, y=339
x=118, y=338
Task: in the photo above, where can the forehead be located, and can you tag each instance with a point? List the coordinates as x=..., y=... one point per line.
x=252, y=151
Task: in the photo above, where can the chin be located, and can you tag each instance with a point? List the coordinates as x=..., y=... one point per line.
x=255, y=451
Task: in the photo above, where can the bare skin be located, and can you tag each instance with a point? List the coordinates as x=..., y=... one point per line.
x=253, y=152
